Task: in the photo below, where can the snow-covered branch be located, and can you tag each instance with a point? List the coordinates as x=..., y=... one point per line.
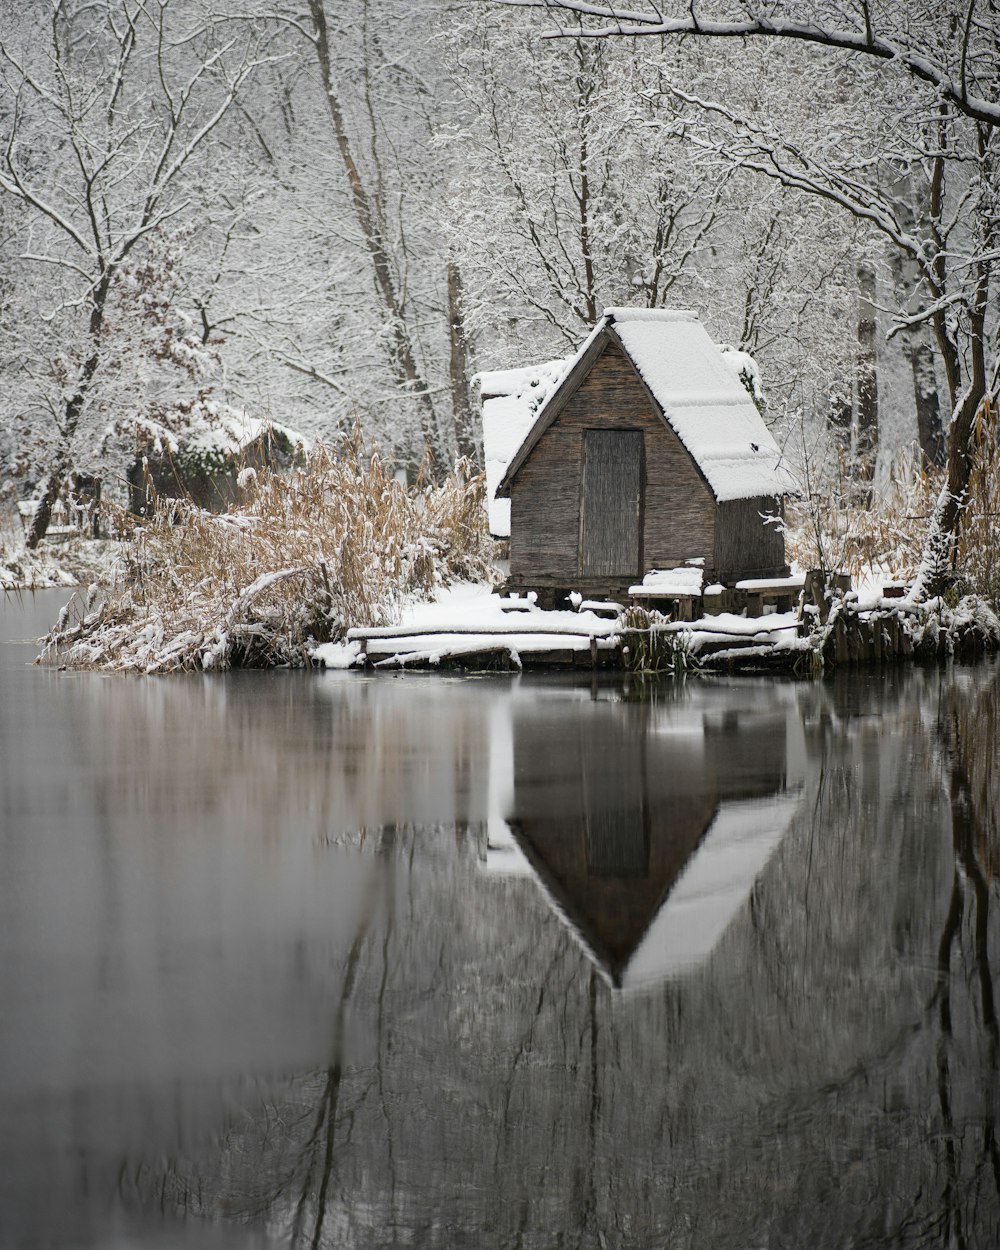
x=767, y=152
x=897, y=48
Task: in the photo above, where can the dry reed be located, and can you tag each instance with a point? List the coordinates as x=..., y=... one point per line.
x=886, y=535
x=335, y=543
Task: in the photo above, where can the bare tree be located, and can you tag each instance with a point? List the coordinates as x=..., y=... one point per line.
x=103, y=121
x=575, y=191
x=376, y=178
x=952, y=52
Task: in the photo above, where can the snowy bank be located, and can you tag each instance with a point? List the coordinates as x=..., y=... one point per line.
x=74, y=561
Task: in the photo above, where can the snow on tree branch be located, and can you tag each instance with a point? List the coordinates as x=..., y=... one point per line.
x=956, y=83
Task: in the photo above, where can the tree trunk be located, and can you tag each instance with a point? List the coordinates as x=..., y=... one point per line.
x=941, y=544
x=866, y=428
x=42, y=515
x=960, y=451
x=402, y=356
x=916, y=342
x=839, y=418
x=71, y=415
x=930, y=433
x=458, y=369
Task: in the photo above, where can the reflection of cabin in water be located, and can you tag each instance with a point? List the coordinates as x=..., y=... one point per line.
x=646, y=836
x=642, y=452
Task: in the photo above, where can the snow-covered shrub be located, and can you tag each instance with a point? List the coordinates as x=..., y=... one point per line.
x=652, y=649
x=338, y=542
x=886, y=539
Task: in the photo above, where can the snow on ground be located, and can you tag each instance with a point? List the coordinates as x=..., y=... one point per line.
x=869, y=585
x=337, y=654
x=70, y=562
x=476, y=605
x=471, y=619
x=23, y=571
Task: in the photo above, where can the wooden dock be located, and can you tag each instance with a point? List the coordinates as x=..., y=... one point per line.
x=516, y=646
x=548, y=640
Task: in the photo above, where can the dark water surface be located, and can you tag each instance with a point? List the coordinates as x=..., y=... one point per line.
x=325, y=960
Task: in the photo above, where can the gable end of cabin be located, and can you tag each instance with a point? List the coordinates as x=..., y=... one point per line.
x=608, y=490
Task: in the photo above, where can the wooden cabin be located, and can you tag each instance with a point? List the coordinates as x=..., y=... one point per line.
x=207, y=469
x=644, y=451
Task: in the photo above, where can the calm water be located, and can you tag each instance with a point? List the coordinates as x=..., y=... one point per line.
x=320, y=960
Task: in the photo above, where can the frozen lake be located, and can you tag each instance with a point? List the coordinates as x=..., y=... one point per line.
x=337, y=960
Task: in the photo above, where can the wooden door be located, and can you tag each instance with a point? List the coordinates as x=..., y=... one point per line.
x=612, y=503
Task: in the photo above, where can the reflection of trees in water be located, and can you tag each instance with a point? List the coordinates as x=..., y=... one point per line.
x=320, y=1152
x=968, y=728
x=905, y=1116
x=828, y=1078
x=260, y=750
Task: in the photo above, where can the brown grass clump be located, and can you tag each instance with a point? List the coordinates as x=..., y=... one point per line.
x=833, y=532
x=652, y=649
x=978, y=562
x=887, y=535
x=338, y=542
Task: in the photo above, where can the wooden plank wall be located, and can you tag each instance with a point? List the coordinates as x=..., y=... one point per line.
x=680, y=508
x=545, y=496
x=545, y=510
x=744, y=545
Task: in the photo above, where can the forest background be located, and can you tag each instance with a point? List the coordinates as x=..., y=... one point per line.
x=325, y=214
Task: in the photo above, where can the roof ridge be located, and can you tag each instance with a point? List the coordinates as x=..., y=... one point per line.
x=649, y=314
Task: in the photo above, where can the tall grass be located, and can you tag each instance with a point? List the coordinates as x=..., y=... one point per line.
x=978, y=563
x=337, y=542
x=652, y=650
x=831, y=530
x=887, y=536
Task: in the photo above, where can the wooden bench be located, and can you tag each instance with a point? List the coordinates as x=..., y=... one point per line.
x=781, y=594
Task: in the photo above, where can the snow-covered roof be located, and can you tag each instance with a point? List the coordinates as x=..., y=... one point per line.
x=698, y=391
x=215, y=427
x=234, y=430
x=511, y=399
